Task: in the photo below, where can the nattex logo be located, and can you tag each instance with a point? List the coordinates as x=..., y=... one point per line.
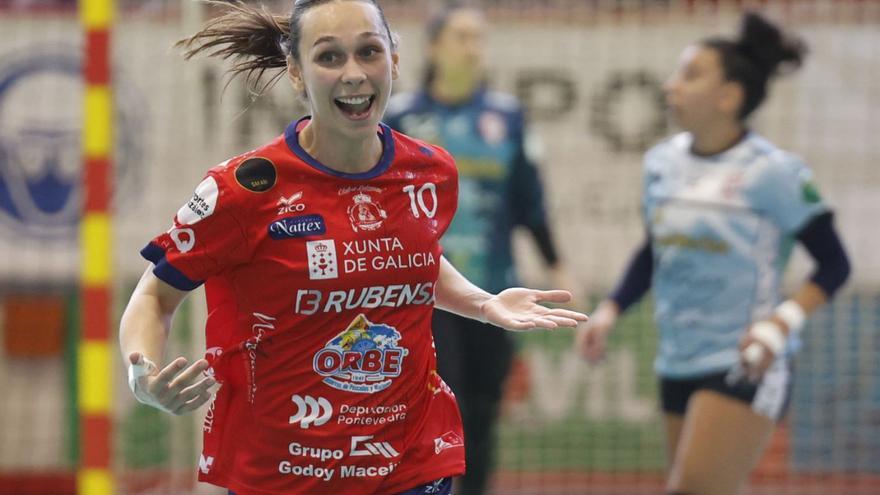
x=300, y=226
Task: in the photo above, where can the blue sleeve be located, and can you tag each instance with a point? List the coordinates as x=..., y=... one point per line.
x=820, y=239
x=527, y=199
x=784, y=190
x=636, y=281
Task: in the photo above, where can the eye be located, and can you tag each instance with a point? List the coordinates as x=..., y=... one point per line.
x=369, y=51
x=328, y=57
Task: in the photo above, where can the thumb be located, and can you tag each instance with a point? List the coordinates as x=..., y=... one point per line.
x=136, y=358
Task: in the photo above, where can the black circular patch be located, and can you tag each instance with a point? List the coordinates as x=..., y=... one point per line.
x=256, y=174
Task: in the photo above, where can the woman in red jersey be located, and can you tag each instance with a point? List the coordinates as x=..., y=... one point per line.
x=320, y=256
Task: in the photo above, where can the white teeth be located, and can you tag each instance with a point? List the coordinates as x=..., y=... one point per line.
x=354, y=100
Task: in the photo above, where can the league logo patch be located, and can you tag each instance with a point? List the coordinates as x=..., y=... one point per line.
x=301, y=226
x=365, y=214
x=256, y=174
x=363, y=359
x=322, y=259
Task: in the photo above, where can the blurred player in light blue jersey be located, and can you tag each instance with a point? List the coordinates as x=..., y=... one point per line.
x=499, y=189
x=723, y=208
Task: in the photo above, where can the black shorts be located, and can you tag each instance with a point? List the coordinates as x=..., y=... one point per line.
x=769, y=397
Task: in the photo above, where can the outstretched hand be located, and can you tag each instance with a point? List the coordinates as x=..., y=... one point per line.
x=175, y=389
x=519, y=309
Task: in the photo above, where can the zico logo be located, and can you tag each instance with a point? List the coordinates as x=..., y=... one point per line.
x=311, y=411
x=363, y=358
x=360, y=446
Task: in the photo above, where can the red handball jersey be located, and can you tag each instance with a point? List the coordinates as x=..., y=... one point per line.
x=320, y=289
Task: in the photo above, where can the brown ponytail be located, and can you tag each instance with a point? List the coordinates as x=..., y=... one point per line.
x=254, y=38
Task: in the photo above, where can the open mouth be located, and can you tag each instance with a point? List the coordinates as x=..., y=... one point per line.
x=355, y=107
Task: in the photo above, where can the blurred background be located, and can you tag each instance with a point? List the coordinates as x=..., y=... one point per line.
x=589, y=73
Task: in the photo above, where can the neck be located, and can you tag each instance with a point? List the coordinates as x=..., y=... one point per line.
x=454, y=88
x=715, y=139
x=338, y=152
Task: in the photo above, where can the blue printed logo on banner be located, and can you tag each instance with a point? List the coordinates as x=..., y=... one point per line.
x=40, y=140
x=301, y=226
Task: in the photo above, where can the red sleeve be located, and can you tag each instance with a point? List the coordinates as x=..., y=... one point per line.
x=205, y=239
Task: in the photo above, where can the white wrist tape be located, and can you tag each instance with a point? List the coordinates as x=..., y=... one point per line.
x=143, y=368
x=753, y=354
x=769, y=334
x=792, y=314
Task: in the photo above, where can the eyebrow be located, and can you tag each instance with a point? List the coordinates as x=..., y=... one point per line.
x=330, y=39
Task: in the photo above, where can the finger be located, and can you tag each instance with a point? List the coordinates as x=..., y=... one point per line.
x=514, y=324
x=566, y=313
x=167, y=374
x=195, y=403
x=543, y=322
x=199, y=388
x=562, y=321
x=189, y=375
x=753, y=355
x=556, y=296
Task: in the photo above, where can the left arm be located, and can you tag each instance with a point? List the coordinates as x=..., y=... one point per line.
x=766, y=339
x=514, y=309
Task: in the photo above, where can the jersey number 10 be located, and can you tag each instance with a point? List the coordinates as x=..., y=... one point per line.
x=417, y=199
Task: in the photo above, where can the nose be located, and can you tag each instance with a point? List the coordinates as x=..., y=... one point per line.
x=353, y=74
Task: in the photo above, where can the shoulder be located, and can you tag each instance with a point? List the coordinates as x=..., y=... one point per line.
x=772, y=161
x=408, y=147
x=667, y=151
x=253, y=172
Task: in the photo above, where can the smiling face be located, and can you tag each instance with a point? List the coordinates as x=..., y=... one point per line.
x=346, y=66
x=698, y=94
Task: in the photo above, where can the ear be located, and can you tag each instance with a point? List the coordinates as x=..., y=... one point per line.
x=294, y=73
x=732, y=97
x=395, y=66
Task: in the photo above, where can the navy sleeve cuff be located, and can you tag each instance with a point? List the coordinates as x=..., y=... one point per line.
x=636, y=281
x=165, y=271
x=544, y=240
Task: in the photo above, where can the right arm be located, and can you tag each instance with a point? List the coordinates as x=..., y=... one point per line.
x=143, y=334
x=590, y=340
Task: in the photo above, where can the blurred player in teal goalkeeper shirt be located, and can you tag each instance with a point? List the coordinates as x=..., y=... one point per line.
x=499, y=189
x=723, y=208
